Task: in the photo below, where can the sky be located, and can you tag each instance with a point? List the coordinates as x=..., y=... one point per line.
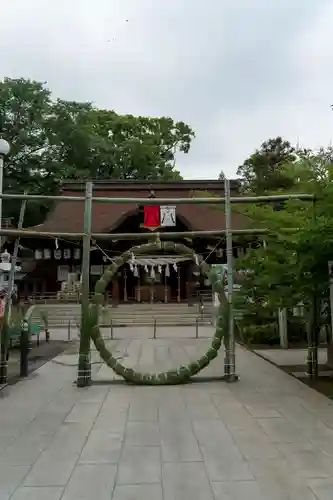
x=237, y=71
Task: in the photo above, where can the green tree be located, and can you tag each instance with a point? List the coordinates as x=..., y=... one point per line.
x=290, y=264
x=263, y=170
x=54, y=141
x=23, y=108
x=311, y=171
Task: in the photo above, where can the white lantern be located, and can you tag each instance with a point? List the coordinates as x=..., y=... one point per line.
x=77, y=253
x=5, y=257
x=67, y=253
x=47, y=253
x=38, y=254
x=57, y=254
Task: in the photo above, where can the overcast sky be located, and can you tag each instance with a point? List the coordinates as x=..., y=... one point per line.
x=237, y=71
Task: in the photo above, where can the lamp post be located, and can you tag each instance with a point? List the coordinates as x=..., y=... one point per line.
x=4, y=151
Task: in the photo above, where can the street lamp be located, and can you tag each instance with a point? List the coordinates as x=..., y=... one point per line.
x=4, y=147
x=4, y=151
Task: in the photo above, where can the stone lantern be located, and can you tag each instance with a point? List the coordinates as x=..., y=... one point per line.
x=5, y=266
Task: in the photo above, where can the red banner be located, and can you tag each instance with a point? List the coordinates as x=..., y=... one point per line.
x=152, y=216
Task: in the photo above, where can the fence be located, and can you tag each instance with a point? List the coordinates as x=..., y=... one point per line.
x=118, y=330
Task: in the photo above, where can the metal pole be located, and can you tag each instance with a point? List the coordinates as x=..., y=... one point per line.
x=8, y=302
x=84, y=365
x=230, y=359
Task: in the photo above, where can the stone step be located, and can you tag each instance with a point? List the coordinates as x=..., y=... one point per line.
x=181, y=305
x=63, y=314
x=117, y=311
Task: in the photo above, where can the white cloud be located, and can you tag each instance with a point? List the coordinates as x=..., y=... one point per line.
x=238, y=71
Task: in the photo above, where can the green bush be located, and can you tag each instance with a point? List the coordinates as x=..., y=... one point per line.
x=296, y=329
x=265, y=334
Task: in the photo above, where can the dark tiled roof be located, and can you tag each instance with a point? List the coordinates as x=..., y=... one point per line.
x=67, y=216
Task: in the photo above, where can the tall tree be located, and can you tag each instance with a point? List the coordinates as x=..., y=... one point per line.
x=54, y=141
x=292, y=266
x=263, y=170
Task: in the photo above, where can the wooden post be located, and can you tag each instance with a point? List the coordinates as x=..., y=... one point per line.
x=8, y=302
x=165, y=287
x=138, y=295
x=151, y=292
x=178, y=284
x=125, y=285
x=116, y=291
x=84, y=365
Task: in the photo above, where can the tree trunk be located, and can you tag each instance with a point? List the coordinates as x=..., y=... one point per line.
x=313, y=329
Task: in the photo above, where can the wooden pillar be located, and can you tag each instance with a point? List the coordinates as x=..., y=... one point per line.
x=165, y=287
x=152, y=292
x=115, y=291
x=138, y=298
x=178, y=284
x=189, y=284
x=125, y=285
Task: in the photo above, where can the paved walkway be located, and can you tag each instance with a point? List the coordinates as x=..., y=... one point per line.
x=291, y=356
x=267, y=437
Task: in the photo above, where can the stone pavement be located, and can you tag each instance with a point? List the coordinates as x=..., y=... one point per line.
x=266, y=437
x=291, y=356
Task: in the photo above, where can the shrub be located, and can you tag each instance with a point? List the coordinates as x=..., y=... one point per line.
x=266, y=334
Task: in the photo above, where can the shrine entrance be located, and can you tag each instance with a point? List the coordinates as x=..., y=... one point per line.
x=154, y=279
x=158, y=279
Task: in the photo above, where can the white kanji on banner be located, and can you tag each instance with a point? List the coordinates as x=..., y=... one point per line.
x=168, y=216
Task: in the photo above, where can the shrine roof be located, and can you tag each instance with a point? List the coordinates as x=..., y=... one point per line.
x=67, y=216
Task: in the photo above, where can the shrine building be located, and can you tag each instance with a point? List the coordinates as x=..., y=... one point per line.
x=56, y=265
